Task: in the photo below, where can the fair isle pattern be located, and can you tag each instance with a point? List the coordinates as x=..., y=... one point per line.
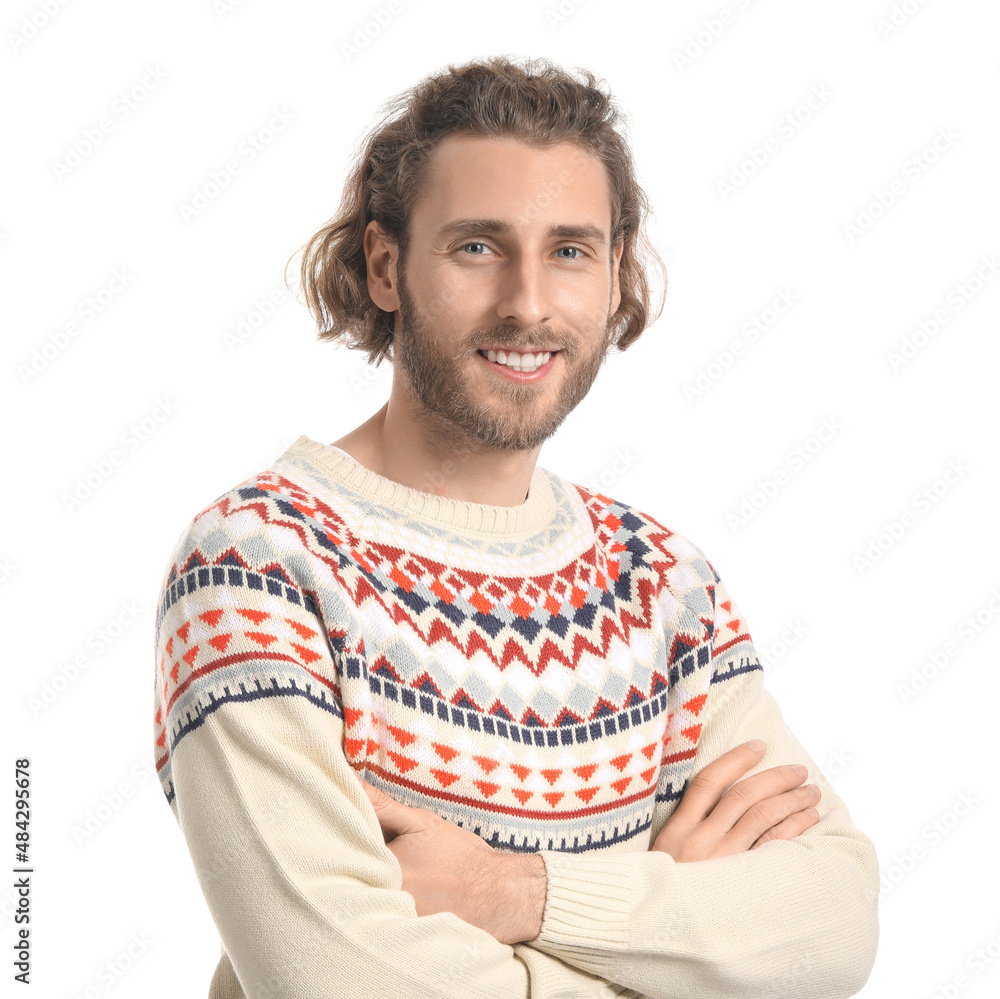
x=564, y=529
x=542, y=689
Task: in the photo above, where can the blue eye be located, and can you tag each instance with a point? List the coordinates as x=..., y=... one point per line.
x=467, y=245
x=575, y=249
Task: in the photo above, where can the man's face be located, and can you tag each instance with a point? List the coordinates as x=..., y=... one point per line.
x=509, y=248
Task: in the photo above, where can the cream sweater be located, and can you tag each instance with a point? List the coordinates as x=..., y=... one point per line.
x=548, y=676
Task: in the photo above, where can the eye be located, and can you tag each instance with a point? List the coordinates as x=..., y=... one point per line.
x=465, y=246
x=575, y=249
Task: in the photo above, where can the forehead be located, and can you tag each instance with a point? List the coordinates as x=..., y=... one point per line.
x=526, y=185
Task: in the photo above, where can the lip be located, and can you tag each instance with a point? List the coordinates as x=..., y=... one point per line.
x=522, y=350
x=519, y=376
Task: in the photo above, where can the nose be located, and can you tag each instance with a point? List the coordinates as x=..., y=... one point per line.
x=524, y=295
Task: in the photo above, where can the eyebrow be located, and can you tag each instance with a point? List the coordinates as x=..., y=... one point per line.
x=498, y=227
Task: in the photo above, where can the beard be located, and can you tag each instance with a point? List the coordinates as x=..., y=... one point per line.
x=514, y=416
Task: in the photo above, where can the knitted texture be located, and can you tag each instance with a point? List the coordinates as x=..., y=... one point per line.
x=520, y=689
x=536, y=674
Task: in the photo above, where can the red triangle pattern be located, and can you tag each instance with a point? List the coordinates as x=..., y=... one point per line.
x=261, y=638
x=404, y=763
x=487, y=790
x=253, y=615
x=217, y=647
x=403, y=737
x=447, y=753
x=487, y=764
x=303, y=631
x=696, y=704
x=220, y=642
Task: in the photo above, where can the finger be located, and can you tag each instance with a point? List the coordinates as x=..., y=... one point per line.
x=746, y=794
x=706, y=788
x=789, y=828
x=393, y=816
x=769, y=813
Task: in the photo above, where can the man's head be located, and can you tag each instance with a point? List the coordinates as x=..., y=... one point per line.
x=524, y=167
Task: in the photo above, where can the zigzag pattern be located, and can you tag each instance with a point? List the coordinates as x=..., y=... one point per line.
x=545, y=709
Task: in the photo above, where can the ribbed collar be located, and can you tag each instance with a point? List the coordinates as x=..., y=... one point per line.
x=535, y=512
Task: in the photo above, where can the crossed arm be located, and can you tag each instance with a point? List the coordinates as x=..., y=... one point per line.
x=449, y=869
x=742, y=893
x=307, y=895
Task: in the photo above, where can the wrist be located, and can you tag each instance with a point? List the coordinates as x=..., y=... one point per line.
x=532, y=887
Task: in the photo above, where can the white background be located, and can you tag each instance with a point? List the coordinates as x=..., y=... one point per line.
x=863, y=628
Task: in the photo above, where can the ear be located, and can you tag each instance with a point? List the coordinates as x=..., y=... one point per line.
x=381, y=255
x=616, y=295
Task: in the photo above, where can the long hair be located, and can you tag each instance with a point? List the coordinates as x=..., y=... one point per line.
x=535, y=102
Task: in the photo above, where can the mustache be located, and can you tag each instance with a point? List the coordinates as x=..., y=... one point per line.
x=541, y=337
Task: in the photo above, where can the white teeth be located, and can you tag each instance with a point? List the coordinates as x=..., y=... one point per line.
x=526, y=362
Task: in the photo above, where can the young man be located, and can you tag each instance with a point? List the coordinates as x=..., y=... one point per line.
x=435, y=721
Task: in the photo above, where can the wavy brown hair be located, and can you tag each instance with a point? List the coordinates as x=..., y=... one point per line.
x=533, y=101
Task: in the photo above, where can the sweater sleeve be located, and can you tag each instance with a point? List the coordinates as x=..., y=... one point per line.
x=792, y=918
x=256, y=764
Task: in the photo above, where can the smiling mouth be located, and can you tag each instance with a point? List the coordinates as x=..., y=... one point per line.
x=526, y=362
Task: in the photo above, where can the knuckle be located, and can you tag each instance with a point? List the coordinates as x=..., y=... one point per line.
x=800, y=823
x=695, y=844
x=703, y=781
x=743, y=793
x=758, y=814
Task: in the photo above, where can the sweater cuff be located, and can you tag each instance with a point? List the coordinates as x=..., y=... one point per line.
x=588, y=902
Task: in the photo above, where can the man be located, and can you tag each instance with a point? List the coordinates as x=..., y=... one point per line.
x=435, y=721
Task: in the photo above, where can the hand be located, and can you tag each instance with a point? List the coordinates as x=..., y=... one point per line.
x=449, y=869
x=769, y=805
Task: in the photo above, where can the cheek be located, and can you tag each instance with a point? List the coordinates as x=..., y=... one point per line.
x=451, y=293
x=583, y=306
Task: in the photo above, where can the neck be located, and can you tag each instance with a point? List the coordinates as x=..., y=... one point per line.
x=414, y=450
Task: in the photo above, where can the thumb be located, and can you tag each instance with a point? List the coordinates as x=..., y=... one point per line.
x=393, y=816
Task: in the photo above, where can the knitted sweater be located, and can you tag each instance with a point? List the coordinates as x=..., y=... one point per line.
x=548, y=676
